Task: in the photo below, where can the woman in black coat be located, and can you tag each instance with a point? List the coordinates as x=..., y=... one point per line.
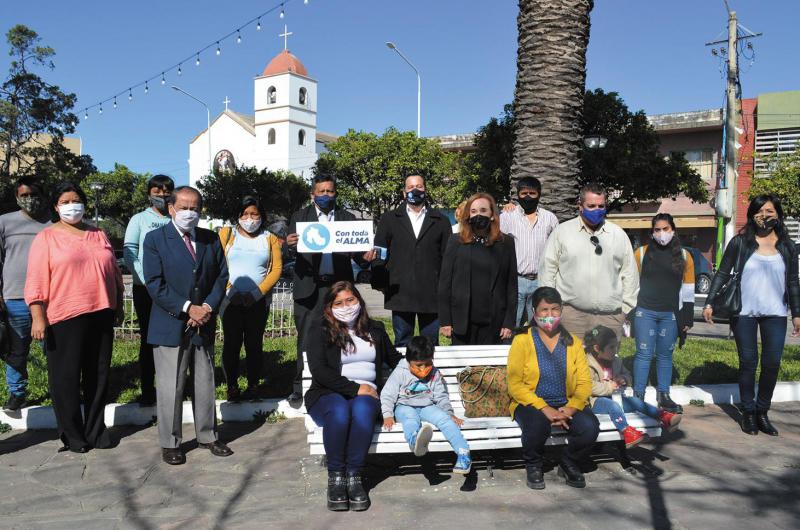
x=346, y=352
x=478, y=280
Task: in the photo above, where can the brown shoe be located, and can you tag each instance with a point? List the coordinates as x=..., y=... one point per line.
x=217, y=448
x=173, y=457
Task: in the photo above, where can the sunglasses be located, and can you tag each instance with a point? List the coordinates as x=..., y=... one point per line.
x=596, y=242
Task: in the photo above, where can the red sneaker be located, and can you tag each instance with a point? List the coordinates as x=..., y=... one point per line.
x=669, y=420
x=632, y=437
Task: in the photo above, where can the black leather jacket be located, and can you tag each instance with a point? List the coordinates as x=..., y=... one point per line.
x=787, y=250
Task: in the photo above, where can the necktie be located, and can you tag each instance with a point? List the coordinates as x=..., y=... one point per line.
x=189, y=247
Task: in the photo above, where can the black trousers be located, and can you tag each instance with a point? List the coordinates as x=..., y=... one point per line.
x=582, y=433
x=477, y=334
x=79, y=362
x=246, y=325
x=304, y=309
x=147, y=368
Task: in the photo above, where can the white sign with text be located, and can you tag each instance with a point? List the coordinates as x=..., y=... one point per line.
x=337, y=236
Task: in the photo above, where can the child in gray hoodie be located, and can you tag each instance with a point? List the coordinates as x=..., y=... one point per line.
x=416, y=394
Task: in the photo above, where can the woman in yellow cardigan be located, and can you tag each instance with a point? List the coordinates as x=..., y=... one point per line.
x=254, y=264
x=550, y=385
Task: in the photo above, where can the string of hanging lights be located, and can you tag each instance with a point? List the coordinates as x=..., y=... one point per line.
x=216, y=44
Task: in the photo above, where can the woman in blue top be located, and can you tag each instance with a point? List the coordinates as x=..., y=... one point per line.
x=254, y=265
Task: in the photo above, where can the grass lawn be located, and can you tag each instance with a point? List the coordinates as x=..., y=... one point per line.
x=701, y=361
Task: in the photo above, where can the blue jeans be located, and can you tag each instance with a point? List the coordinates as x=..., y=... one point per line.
x=19, y=345
x=403, y=325
x=655, y=332
x=411, y=418
x=525, y=288
x=348, y=425
x=606, y=405
x=773, y=337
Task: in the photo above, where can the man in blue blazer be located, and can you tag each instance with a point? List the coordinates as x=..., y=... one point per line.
x=186, y=274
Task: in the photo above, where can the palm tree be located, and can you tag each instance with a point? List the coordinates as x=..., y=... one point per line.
x=548, y=100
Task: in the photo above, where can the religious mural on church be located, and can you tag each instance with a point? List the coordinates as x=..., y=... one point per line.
x=224, y=162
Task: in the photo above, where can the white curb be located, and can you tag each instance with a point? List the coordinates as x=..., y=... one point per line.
x=132, y=414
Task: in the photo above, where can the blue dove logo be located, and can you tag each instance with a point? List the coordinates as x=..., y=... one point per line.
x=316, y=236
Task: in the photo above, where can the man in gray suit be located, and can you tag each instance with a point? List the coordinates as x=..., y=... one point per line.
x=186, y=274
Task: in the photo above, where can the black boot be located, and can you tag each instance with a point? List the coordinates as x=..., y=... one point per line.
x=665, y=402
x=749, y=423
x=572, y=474
x=337, y=492
x=359, y=498
x=764, y=424
x=535, y=477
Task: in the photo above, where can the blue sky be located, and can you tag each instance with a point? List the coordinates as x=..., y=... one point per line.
x=652, y=53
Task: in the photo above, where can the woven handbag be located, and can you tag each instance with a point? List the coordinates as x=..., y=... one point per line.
x=484, y=391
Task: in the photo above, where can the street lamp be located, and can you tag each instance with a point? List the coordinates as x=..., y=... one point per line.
x=208, y=125
x=96, y=187
x=595, y=141
x=392, y=46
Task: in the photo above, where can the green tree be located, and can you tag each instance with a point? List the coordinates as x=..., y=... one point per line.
x=34, y=117
x=784, y=181
x=630, y=166
x=489, y=166
x=280, y=192
x=370, y=170
x=119, y=194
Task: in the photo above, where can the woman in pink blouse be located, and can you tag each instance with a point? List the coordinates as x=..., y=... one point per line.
x=74, y=289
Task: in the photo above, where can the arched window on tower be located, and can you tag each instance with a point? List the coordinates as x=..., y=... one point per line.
x=272, y=95
x=271, y=137
x=301, y=137
x=302, y=96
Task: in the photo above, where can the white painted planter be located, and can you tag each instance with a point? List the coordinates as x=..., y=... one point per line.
x=133, y=414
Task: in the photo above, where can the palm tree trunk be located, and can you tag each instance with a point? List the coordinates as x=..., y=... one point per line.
x=548, y=100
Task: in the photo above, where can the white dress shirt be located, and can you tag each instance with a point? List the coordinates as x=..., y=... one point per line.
x=193, y=241
x=416, y=218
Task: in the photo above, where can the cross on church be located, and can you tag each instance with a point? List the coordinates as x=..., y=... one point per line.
x=226, y=102
x=285, y=36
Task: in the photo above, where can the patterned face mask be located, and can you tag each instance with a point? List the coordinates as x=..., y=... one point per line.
x=30, y=203
x=548, y=323
x=420, y=371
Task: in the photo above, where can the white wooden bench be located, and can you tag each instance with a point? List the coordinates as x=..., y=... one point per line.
x=481, y=433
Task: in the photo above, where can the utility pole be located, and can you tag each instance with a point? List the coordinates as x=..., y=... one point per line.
x=731, y=154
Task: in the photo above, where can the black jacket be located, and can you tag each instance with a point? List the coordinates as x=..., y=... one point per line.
x=454, y=285
x=409, y=277
x=787, y=250
x=325, y=362
x=306, y=266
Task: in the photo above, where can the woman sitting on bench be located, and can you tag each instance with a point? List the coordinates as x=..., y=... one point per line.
x=550, y=385
x=346, y=351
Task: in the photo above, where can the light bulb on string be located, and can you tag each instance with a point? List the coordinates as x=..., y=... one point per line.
x=163, y=79
x=115, y=101
x=179, y=70
x=258, y=24
x=130, y=95
x=197, y=61
x=282, y=13
x=238, y=37
x=146, y=88
x=305, y=2
x=219, y=51
x=85, y=114
x=101, y=110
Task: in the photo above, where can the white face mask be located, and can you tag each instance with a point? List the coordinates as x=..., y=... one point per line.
x=71, y=213
x=250, y=225
x=663, y=238
x=186, y=219
x=347, y=314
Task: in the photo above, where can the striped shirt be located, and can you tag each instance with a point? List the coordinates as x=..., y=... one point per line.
x=529, y=238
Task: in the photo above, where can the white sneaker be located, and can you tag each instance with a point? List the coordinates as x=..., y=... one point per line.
x=424, y=436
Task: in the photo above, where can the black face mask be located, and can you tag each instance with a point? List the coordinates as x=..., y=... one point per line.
x=415, y=197
x=480, y=222
x=159, y=203
x=771, y=223
x=529, y=204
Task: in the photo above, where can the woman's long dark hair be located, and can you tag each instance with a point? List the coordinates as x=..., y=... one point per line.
x=750, y=229
x=338, y=332
x=551, y=296
x=678, y=263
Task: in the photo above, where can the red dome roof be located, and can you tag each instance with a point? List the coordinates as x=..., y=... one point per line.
x=285, y=62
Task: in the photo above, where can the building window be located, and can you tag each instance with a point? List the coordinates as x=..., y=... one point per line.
x=302, y=97
x=272, y=95
x=301, y=137
x=702, y=161
x=271, y=137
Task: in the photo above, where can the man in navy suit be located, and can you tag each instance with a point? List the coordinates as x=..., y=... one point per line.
x=186, y=275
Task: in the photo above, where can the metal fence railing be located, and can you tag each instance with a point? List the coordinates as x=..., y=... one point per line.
x=280, y=322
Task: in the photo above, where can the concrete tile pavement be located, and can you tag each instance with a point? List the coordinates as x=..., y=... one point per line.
x=708, y=475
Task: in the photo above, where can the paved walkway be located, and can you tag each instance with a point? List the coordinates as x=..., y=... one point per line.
x=709, y=475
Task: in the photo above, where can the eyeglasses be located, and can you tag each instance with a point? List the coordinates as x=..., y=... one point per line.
x=596, y=242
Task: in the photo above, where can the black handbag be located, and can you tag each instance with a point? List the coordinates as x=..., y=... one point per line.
x=728, y=302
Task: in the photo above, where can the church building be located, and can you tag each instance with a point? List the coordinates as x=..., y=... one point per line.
x=280, y=134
